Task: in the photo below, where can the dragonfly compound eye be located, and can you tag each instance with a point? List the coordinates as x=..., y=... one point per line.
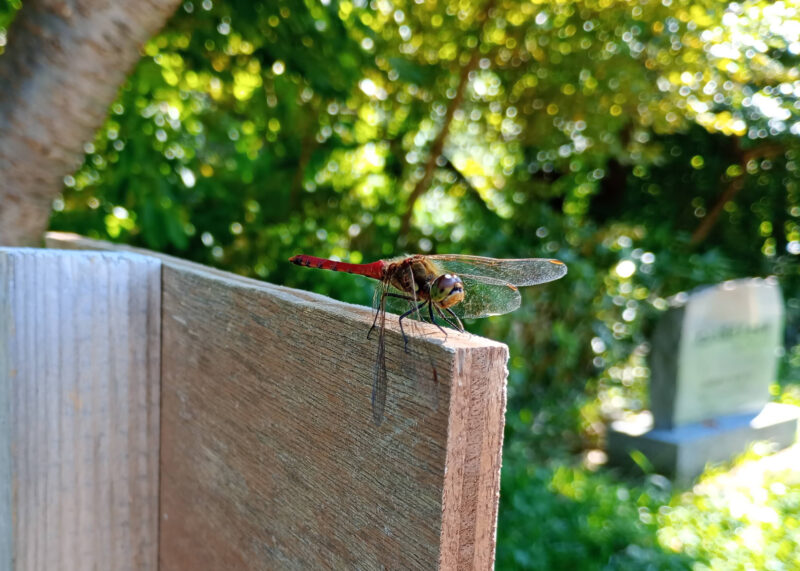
x=447, y=290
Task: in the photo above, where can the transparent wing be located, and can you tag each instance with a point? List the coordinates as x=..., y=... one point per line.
x=399, y=306
x=485, y=296
x=411, y=360
x=516, y=272
x=380, y=379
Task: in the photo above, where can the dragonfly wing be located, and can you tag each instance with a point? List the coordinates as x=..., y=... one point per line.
x=379, y=383
x=380, y=379
x=486, y=296
x=517, y=272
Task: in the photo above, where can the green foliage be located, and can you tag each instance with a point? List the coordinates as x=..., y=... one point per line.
x=560, y=515
x=652, y=146
x=586, y=520
x=737, y=525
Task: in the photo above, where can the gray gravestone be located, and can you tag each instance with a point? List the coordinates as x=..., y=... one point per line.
x=714, y=356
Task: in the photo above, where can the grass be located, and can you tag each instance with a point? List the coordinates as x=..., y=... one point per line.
x=558, y=511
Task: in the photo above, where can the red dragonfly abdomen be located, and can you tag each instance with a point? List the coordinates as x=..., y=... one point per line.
x=373, y=270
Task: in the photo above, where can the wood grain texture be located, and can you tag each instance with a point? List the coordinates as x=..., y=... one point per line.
x=270, y=458
x=79, y=397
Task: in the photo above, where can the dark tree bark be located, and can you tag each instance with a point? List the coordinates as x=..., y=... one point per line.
x=64, y=63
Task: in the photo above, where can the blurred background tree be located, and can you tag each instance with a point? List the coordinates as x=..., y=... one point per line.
x=652, y=146
x=67, y=62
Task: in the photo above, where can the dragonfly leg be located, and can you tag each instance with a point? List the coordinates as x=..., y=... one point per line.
x=433, y=319
x=460, y=325
x=381, y=307
x=406, y=314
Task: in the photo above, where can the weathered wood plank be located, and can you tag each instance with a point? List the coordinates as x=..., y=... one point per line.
x=270, y=457
x=79, y=398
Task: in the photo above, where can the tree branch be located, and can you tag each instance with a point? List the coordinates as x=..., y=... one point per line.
x=448, y=164
x=707, y=224
x=438, y=143
x=308, y=144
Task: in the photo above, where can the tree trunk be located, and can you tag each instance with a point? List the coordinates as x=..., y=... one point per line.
x=63, y=65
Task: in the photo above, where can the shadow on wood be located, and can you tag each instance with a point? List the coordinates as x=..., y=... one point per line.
x=269, y=455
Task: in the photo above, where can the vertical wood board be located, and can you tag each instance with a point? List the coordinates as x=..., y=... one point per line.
x=79, y=397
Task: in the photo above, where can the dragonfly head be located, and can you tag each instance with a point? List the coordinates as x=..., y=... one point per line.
x=447, y=290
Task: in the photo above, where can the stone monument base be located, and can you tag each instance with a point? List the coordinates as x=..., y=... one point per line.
x=684, y=451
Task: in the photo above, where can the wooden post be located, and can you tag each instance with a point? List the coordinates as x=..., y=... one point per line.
x=79, y=396
x=269, y=454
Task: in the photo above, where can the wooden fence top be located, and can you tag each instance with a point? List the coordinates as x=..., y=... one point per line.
x=269, y=456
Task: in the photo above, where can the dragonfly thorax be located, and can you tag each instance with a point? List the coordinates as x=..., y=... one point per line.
x=419, y=278
x=447, y=290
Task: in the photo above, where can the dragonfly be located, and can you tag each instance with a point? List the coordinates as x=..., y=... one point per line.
x=442, y=289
